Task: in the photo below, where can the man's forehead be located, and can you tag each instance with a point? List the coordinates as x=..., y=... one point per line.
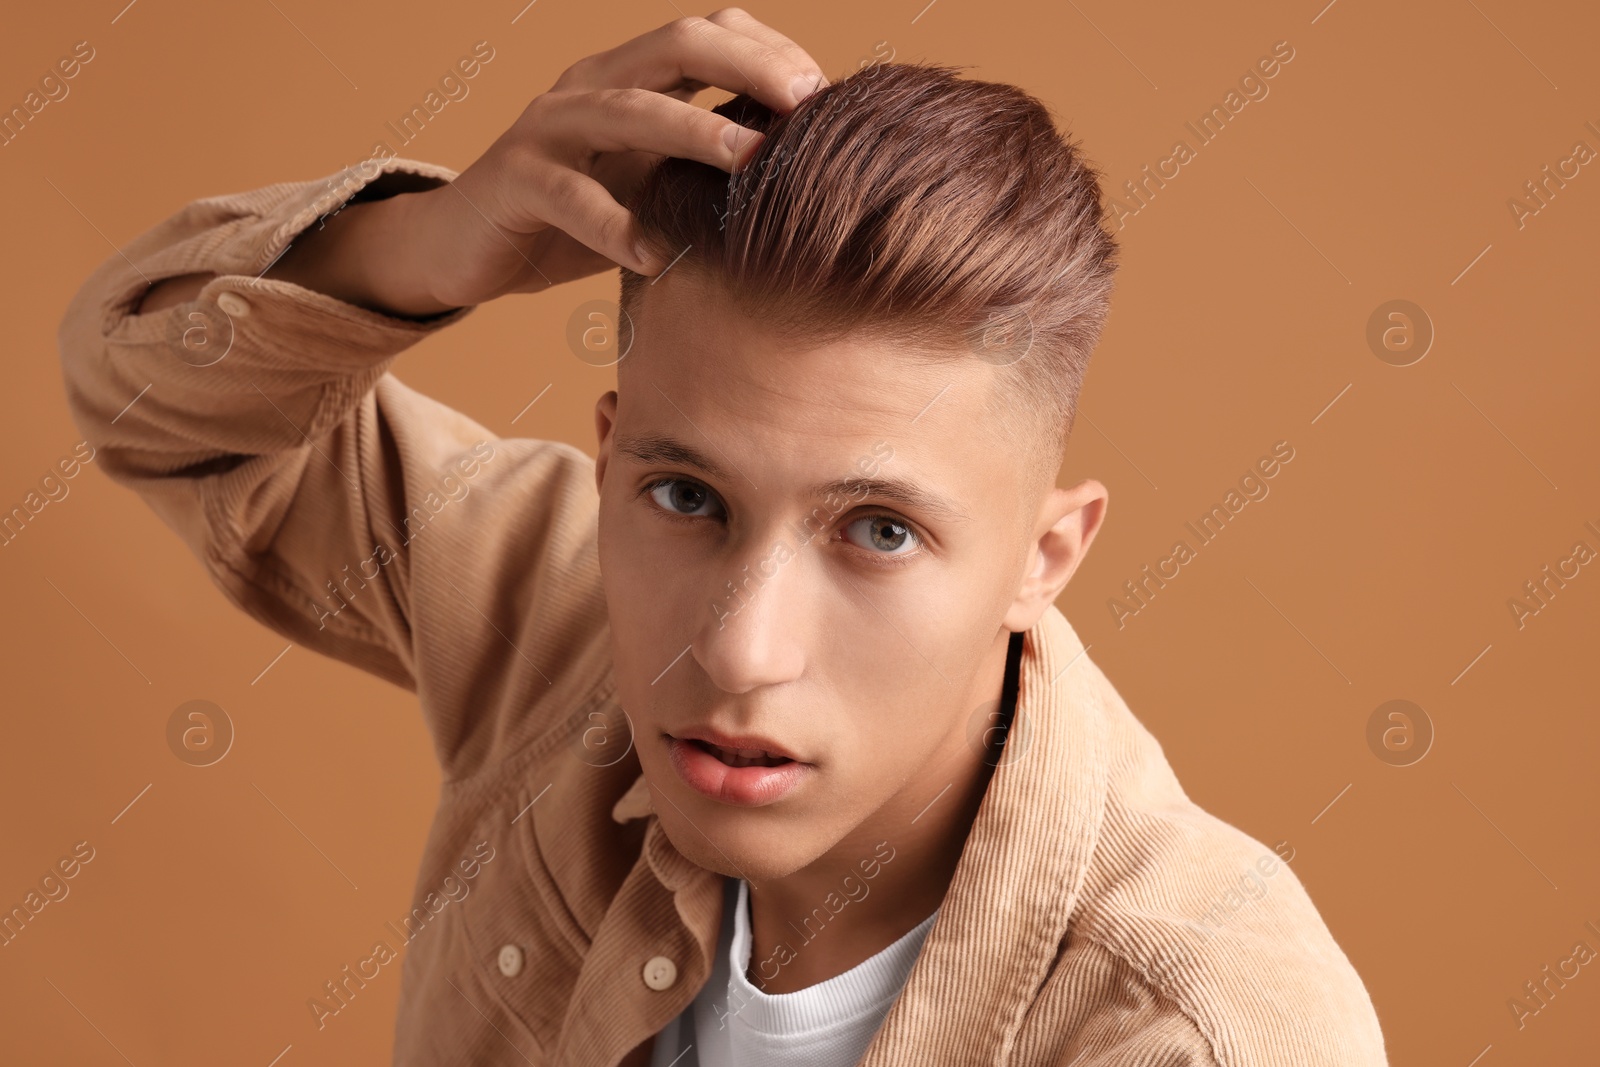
x=705, y=385
x=690, y=330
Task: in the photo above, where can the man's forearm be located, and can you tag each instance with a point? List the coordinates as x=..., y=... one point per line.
x=364, y=254
x=355, y=255
x=280, y=341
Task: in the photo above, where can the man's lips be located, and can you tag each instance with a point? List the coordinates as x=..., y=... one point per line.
x=723, y=775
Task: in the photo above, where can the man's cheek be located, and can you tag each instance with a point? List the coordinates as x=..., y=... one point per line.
x=656, y=587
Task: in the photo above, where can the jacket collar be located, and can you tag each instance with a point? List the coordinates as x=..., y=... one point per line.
x=1004, y=917
x=634, y=804
x=1005, y=914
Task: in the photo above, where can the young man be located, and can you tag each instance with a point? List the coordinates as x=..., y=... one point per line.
x=764, y=742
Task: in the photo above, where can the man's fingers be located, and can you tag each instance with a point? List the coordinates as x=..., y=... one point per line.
x=624, y=120
x=634, y=101
x=736, y=18
x=583, y=209
x=694, y=49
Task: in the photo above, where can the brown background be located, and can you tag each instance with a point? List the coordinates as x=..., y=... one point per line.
x=1380, y=566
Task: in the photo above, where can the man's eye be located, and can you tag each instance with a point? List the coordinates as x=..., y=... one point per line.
x=882, y=535
x=679, y=497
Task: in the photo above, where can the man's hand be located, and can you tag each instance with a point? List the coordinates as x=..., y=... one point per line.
x=540, y=207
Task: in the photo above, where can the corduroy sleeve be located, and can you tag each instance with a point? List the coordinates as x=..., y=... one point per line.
x=246, y=418
x=334, y=504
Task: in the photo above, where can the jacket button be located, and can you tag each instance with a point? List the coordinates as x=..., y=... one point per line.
x=510, y=960
x=660, y=973
x=233, y=304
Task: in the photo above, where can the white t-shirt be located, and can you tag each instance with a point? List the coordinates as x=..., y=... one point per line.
x=732, y=1023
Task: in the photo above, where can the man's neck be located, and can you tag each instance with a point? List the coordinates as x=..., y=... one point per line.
x=880, y=881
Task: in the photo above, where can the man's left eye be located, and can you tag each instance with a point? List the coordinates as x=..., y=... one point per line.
x=883, y=535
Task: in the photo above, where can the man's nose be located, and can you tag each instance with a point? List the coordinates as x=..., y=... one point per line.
x=754, y=627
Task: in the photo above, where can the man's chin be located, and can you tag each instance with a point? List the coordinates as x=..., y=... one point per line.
x=737, y=844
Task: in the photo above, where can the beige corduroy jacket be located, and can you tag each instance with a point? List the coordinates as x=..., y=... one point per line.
x=1097, y=917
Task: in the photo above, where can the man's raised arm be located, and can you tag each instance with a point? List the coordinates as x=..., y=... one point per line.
x=231, y=397
x=231, y=366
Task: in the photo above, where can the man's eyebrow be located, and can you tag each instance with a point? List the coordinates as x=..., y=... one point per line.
x=652, y=448
x=896, y=490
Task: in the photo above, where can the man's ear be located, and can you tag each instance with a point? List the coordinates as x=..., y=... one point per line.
x=605, y=421
x=1068, y=520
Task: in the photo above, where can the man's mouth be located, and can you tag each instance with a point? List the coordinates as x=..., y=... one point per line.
x=738, y=774
x=740, y=757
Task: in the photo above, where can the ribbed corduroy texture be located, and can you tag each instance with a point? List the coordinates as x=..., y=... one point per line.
x=1097, y=918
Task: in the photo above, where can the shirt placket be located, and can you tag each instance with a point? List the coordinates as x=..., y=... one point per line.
x=650, y=956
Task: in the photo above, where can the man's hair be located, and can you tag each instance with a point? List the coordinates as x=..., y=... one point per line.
x=906, y=205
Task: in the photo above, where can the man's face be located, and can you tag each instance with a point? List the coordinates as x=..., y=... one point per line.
x=854, y=629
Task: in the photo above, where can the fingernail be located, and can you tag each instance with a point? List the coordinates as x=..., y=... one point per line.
x=736, y=136
x=804, y=85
